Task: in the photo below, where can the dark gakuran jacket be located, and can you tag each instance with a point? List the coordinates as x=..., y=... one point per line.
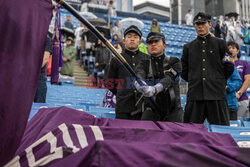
x=204, y=68
x=158, y=70
x=126, y=94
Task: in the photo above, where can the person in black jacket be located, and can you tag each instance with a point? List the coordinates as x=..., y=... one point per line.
x=102, y=58
x=162, y=81
x=217, y=31
x=41, y=90
x=119, y=81
x=206, y=65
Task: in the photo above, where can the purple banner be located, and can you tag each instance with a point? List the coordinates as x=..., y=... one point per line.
x=24, y=28
x=68, y=137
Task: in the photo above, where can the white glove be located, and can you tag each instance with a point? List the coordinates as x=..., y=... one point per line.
x=139, y=87
x=153, y=90
x=148, y=91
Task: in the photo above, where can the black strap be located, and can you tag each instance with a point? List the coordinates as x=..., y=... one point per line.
x=170, y=90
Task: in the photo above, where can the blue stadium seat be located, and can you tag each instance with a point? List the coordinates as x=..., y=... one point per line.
x=101, y=109
x=231, y=130
x=237, y=123
x=109, y=115
x=241, y=140
x=246, y=124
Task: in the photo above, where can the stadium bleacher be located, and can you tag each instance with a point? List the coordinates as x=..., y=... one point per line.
x=82, y=99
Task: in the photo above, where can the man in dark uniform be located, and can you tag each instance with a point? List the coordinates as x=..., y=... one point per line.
x=162, y=81
x=41, y=90
x=102, y=59
x=206, y=65
x=126, y=95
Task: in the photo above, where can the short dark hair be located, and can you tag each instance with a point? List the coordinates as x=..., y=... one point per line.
x=232, y=43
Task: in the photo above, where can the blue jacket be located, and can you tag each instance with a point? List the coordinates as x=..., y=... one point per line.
x=234, y=82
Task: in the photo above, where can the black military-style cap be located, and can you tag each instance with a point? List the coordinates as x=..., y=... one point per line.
x=133, y=29
x=155, y=36
x=202, y=18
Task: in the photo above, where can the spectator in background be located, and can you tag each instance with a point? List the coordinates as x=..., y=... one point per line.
x=68, y=23
x=115, y=39
x=217, y=31
x=69, y=53
x=230, y=32
x=234, y=82
x=142, y=47
x=189, y=18
x=86, y=48
x=155, y=27
x=109, y=99
x=238, y=34
x=78, y=35
x=206, y=66
x=102, y=59
x=41, y=90
x=111, y=11
x=224, y=30
x=243, y=68
x=119, y=46
x=245, y=32
x=116, y=29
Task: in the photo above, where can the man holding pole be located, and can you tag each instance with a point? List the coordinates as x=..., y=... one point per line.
x=126, y=95
x=162, y=81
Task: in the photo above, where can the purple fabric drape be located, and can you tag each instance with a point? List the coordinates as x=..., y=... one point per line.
x=60, y=38
x=67, y=137
x=23, y=30
x=55, y=49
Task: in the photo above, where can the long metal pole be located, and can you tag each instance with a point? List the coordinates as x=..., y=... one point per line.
x=108, y=44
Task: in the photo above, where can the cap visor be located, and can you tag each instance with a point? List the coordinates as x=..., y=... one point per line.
x=200, y=21
x=153, y=39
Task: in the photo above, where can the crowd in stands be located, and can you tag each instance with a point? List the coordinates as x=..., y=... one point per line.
x=228, y=28
x=95, y=58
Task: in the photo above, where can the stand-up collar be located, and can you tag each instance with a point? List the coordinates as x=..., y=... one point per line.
x=131, y=52
x=158, y=58
x=204, y=37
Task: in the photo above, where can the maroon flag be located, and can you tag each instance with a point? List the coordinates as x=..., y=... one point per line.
x=23, y=30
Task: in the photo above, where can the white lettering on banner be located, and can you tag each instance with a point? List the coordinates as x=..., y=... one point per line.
x=56, y=152
x=14, y=162
x=66, y=138
x=81, y=135
x=97, y=132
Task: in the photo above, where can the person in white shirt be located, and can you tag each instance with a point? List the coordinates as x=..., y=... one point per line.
x=78, y=35
x=189, y=18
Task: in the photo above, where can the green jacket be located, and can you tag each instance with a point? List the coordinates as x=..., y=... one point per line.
x=155, y=28
x=69, y=52
x=143, y=48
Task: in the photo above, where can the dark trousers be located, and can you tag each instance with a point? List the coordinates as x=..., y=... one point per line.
x=232, y=114
x=216, y=112
x=174, y=116
x=41, y=92
x=128, y=116
x=78, y=54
